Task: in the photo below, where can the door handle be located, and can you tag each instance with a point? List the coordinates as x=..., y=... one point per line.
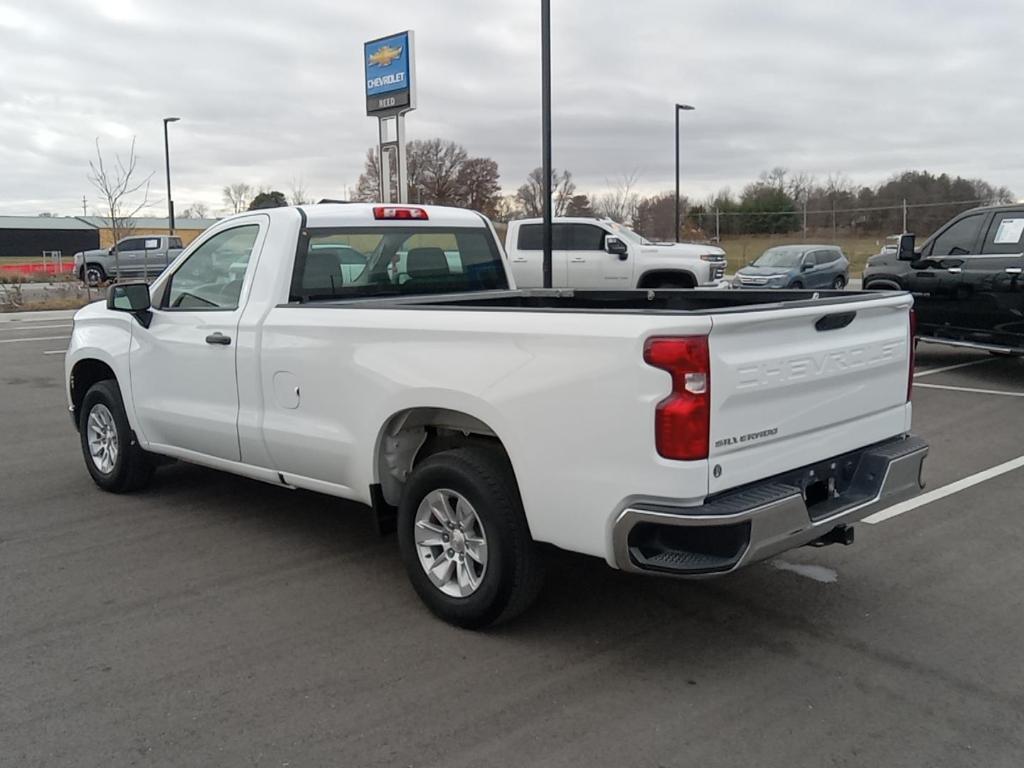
x=1014, y=270
x=519, y=261
x=578, y=260
x=218, y=338
x=954, y=270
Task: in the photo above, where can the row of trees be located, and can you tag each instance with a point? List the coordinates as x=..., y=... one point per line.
x=442, y=172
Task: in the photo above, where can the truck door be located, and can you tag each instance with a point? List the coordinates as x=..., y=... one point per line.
x=990, y=306
x=935, y=280
x=590, y=265
x=183, y=366
x=526, y=256
x=129, y=258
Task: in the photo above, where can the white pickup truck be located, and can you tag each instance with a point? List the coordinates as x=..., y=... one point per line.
x=674, y=432
x=603, y=254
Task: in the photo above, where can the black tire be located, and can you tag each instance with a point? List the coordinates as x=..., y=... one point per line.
x=839, y=283
x=796, y=284
x=514, y=572
x=93, y=275
x=133, y=467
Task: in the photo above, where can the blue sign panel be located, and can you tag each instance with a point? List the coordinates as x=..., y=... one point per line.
x=387, y=64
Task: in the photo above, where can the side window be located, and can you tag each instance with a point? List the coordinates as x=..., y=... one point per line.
x=825, y=257
x=1005, y=233
x=175, y=242
x=211, y=278
x=960, y=239
x=132, y=244
x=586, y=237
x=151, y=243
x=531, y=238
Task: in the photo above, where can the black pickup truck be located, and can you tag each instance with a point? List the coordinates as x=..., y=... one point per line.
x=967, y=279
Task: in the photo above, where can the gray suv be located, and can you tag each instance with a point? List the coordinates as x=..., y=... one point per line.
x=796, y=266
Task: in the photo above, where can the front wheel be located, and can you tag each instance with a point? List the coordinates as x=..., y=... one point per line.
x=464, y=539
x=93, y=275
x=796, y=284
x=114, y=459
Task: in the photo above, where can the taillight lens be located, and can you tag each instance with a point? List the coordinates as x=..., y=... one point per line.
x=682, y=421
x=399, y=212
x=912, y=353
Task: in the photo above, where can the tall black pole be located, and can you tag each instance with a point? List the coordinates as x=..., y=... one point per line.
x=675, y=226
x=167, y=164
x=545, y=77
x=678, y=108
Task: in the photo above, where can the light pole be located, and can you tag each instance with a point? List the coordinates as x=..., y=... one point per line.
x=545, y=108
x=167, y=163
x=678, y=108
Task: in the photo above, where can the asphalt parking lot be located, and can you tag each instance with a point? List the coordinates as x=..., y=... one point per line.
x=218, y=621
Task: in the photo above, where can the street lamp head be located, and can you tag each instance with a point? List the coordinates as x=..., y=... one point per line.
x=684, y=106
x=171, y=119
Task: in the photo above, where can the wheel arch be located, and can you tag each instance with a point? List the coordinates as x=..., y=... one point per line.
x=84, y=374
x=409, y=436
x=653, y=276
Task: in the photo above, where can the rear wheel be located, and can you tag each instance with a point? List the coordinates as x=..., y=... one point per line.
x=113, y=457
x=839, y=283
x=464, y=539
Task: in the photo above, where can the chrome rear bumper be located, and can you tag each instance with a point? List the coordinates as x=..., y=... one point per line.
x=749, y=524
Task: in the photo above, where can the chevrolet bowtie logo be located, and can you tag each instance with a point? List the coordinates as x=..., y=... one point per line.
x=384, y=55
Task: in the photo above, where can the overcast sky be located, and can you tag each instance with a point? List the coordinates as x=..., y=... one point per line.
x=274, y=93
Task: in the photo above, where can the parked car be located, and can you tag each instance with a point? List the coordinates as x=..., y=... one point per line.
x=601, y=253
x=668, y=432
x=967, y=279
x=137, y=256
x=796, y=266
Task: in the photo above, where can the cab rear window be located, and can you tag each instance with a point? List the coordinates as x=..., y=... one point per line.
x=361, y=262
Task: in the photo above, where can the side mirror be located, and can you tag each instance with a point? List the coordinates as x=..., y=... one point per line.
x=805, y=266
x=110, y=252
x=132, y=298
x=906, y=252
x=617, y=247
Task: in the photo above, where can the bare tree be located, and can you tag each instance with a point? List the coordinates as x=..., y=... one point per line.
x=297, y=192
x=237, y=196
x=196, y=211
x=531, y=194
x=621, y=201
x=119, y=188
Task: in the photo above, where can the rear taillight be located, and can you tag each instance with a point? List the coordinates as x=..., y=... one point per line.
x=683, y=419
x=399, y=212
x=911, y=353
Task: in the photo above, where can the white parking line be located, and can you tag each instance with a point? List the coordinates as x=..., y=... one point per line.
x=975, y=390
x=35, y=338
x=20, y=327
x=946, y=490
x=929, y=372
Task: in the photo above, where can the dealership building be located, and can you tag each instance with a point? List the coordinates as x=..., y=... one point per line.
x=32, y=235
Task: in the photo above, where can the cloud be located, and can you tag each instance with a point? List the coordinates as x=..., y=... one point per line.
x=275, y=92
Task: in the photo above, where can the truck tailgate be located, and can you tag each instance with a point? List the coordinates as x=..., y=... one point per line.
x=795, y=385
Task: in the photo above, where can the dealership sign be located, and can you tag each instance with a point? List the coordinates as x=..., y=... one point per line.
x=388, y=63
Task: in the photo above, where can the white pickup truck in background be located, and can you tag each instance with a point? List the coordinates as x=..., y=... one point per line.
x=676, y=432
x=603, y=254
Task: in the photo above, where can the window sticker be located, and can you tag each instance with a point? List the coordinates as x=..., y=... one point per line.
x=1009, y=231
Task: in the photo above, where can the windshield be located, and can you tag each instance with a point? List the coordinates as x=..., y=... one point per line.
x=359, y=262
x=782, y=256
x=628, y=234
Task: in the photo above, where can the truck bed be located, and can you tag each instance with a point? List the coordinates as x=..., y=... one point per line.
x=641, y=301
